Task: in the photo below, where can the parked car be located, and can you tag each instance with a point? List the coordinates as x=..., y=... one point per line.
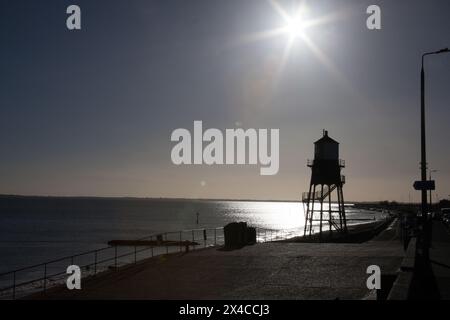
x=445, y=214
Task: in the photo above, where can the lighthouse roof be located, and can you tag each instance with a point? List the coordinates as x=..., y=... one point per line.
x=326, y=139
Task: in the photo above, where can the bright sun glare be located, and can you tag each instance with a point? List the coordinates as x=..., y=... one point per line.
x=300, y=25
x=295, y=26
x=296, y=20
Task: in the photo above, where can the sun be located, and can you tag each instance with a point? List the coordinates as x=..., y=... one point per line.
x=295, y=26
x=296, y=20
x=301, y=25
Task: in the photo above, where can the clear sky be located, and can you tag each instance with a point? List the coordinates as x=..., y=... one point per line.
x=91, y=112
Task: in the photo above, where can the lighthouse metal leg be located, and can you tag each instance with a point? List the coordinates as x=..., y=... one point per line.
x=307, y=210
x=312, y=211
x=330, y=217
x=343, y=210
x=339, y=207
x=321, y=210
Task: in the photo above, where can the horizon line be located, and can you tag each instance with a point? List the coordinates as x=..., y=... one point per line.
x=178, y=198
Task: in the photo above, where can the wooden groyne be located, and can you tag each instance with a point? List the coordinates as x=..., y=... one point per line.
x=151, y=243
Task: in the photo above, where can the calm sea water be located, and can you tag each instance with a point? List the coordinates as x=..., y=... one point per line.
x=34, y=230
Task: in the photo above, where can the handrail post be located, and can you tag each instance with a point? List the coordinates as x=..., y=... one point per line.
x=181, y=244
x=45, y=277
x=115, y=257
x=204, y=237
x=151, y=247
x=215, y=236
x=135, y=258
x=14, y=285
x=95, y=262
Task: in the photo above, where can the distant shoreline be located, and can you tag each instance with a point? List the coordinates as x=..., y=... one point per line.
x=16, y=196
x=11, y=196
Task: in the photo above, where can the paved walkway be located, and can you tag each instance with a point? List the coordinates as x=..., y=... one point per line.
x=262, y=271
x=440, y=259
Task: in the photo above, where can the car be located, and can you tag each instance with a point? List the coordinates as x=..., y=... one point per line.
x=445, y=216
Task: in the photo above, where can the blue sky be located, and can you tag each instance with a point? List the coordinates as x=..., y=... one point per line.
x=91, y=112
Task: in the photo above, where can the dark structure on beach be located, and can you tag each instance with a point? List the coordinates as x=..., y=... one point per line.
x=325, y=179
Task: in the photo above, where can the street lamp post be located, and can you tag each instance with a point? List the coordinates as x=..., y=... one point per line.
x=431, y=199
x=426, y=227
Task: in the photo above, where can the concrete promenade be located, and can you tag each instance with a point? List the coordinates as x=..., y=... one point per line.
x=440, y=259
x=431, y=278
x=262, y=271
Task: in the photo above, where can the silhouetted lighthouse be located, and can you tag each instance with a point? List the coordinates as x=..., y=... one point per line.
x=325, y=179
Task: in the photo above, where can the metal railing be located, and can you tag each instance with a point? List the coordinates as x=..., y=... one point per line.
x=311, y=162
x=318, y=195
x=41, y=277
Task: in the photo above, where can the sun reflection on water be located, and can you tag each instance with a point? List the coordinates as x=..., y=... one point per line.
x=286, y=216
